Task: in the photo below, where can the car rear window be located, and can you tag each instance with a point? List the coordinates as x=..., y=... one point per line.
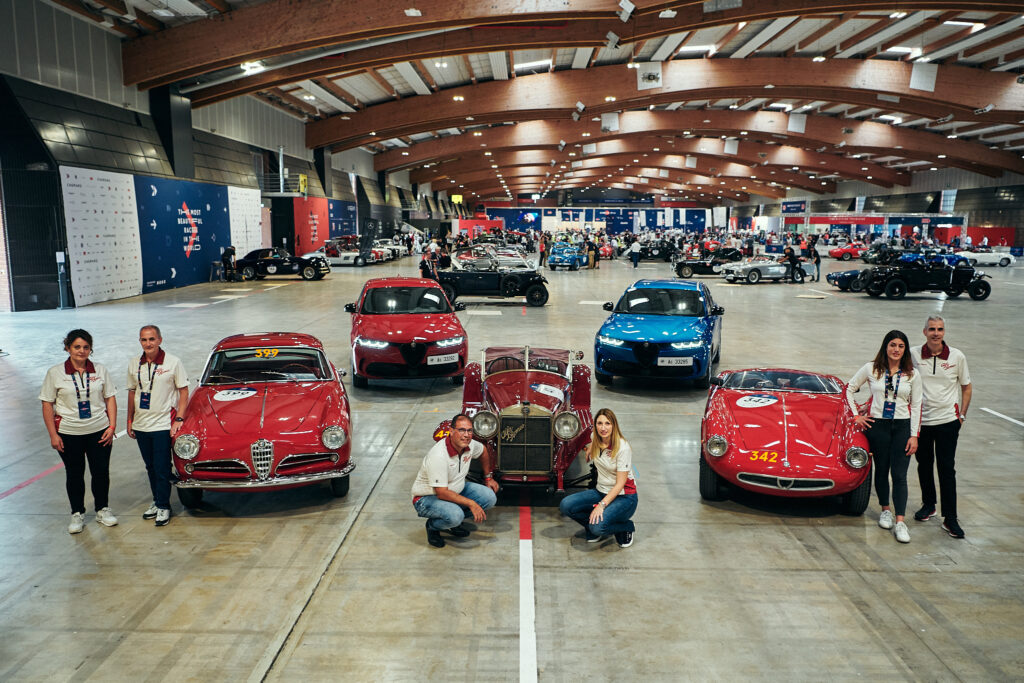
x=266, y=364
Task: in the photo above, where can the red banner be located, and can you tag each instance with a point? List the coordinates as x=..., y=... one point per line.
x=312, y=224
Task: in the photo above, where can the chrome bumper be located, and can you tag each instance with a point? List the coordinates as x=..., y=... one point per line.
x=264, y=483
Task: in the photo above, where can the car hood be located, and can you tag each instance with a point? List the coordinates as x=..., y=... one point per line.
x=656, y=328
x=545, y=389
x=281, y=406
x=797, y=424
x=401, y=328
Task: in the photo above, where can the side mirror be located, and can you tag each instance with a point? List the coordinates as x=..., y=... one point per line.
x=342, y=373
x=718, y=310
x=608, y=306
x=350, y=308
x=717, y=381
x=459, y=306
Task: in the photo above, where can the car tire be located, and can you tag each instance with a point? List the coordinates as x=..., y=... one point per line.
x=846, y=256
x=191, y=499
x=449, y=292
x=896, y=289
x=798, y=276
x=857, y=284
x=704, y=381
x=339, y=486
x=248, y=273
x=1004, y=262
x=458, y=380
x=711, y=485
x=574, y=266
x=979, y=290
x=603, y=379
x=536, y=295
x=972, y=262
x=954, y=292
x=308, y=273
x=685, y=271
x=360, y=381
x=359, y=261
x=843, y=288
x=856, y=501
x=754, y=276
x=510, y=285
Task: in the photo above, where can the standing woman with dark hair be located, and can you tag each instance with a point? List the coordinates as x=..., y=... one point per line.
x=80, y=414
x=892, y=425
x=608, y=508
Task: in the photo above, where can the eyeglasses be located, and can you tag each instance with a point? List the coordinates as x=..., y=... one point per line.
x=463, y=431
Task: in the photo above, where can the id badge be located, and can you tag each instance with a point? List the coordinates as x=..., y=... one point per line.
x=889, y=410
x=144, y=400
x=84, y=410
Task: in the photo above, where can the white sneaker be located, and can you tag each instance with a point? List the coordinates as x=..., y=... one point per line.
x=105, y=517
x=163, y=516
x=901, y=532
x=77, y=523
x=886, y=520
x=150, y=512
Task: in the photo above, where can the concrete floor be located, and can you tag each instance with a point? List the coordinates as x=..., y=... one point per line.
x=299, y=585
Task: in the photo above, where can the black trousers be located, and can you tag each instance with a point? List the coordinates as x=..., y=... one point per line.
x=888, y=441
x=937, y=446
x=77, y=449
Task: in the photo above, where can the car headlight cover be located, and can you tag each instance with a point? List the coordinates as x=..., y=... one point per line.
x=186, y=446
x=453, y=341
x=485, y=424
x=610, y=341
x=695, y=344
x=856, y=457
x=716, y=445
x=371, y=343
x=566, y=426
x=333, y=437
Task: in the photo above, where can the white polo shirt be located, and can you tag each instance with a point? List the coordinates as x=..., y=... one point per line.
x=907, y=398
x=944, y=377
x=442, y=468
x=167, y=375
x=608, y=468
x=59, y=389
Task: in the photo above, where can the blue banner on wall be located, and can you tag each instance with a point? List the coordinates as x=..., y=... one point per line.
x=794, y=207
x=341, y=218
x=183, y=227
x=695, y=220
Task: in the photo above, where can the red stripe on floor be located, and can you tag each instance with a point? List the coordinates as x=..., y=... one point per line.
x=525, y=529
x=32, y=480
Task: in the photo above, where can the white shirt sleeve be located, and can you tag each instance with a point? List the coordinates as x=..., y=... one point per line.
x=624, y=458
x=109, y=388
x=916, y=395
x=437, y=468
x=856, y=383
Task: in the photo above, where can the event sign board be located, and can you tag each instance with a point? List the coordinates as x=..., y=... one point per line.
x=312, y=223
x=245, y=215
x=341, y=216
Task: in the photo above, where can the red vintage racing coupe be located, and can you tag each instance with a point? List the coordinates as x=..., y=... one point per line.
x=270, y=413
x=405, y=327
x=531, y=408
x=847, y=252
x=786, y=433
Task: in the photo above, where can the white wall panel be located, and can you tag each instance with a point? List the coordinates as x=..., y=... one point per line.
x=924, y=181
x=354, y=161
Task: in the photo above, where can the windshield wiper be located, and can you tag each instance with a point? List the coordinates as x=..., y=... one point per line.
x=230, y=378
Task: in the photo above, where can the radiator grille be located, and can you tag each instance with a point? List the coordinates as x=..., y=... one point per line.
x=524, y=445
x=262, y=457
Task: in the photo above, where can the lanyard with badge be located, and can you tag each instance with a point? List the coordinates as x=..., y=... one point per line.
x=889, y=407
x=84, y=407
x=144, y=396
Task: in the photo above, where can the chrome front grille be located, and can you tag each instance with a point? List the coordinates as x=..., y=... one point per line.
x=784, y=483
x=262, y=457
x=525, y=445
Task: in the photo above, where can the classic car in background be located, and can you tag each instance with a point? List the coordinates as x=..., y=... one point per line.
x=881, y=254
x=660, y=328
x=342, y=251
x=485, y=277
x=984, y=256
x=270, y=413
x=531, y=407
x=261, y=263
x=848, y=280
x=847, y=252
x=686, y=266
x=931, y=256
x=565, y=255
x=786, y=433
x=896, y=280
x=484, y=256
x=389, y=249
x=758, y=268
x=405, y=327
x=605, y=250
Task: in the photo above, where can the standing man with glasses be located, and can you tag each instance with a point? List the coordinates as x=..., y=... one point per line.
x=947, y=394
x=441, y=493
x=157, y=396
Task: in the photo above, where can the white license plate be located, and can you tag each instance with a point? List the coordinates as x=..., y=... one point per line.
x=440, y=360
x=676, y=361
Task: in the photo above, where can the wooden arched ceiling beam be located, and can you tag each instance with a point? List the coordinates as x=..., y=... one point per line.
x=281, y=27
x=958, y=91
x=485, y=189
x=533, y=178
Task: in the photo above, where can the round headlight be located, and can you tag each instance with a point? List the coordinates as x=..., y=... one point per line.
x=716, y=445
x=333, y=437
x=485, y=424
x=186, y=446
x=566, y=426
x=856, y=457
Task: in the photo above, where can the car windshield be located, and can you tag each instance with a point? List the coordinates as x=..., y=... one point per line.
x=394, y=300
x=502, y=359
x=782, y=380
x=266, y=364
x=654, y=301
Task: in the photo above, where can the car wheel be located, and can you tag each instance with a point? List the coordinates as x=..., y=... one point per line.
x=248, y=273
x=798, y=276
x=979, y=290
x=754, y=276
x=458, y=380
x=1004, y=262
x=846, y=256
x=510, y=285
x=685, y=271
x=896, y=289
x=711, y=487
x=704, y=381
x=856, y=501
x=339, y=487
x=309, y=273
x=574, y=266
x=359, y=381
x=536, y=295
x=603, y=379
x=843, y=288
x=954, y=292
x=972, y=261
x=857, y=284
x=191, y=498
x=449, y=292
x=359, y=261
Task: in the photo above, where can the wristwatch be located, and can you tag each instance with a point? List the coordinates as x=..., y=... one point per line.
x=179, y=419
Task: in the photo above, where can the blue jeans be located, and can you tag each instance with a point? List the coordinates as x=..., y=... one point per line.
x=156, y=453
x=636, y=258
x=441, y=514
x=616, y=519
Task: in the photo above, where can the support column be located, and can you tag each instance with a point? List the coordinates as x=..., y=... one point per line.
x=172, y=116
x=322, y=163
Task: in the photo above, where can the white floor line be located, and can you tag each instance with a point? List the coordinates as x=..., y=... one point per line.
x=1008, y=419
x=591, y=303
x=228, y=297
x=819, y=291
x=193, y=305
x=482, y=312
x=527, y=616
x=237, y=289
x=1015, y=284
x=809, y=296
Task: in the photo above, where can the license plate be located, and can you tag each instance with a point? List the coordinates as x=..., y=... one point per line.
x=676, y=361
x=440, y=360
